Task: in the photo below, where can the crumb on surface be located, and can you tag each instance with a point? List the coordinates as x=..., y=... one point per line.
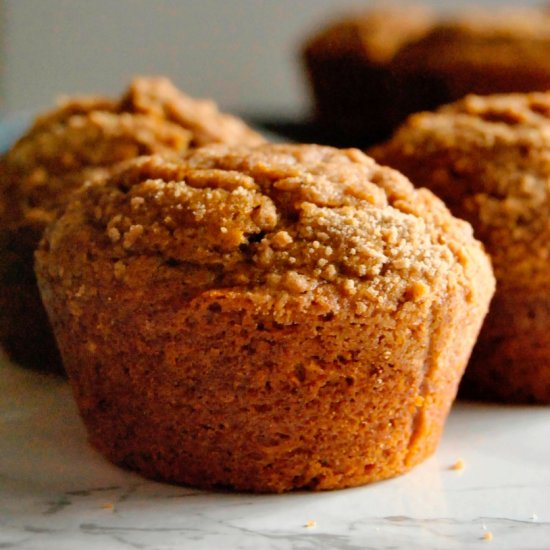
x=108, y=506
x=459, y=465
x=311, y=524
x=487, y=536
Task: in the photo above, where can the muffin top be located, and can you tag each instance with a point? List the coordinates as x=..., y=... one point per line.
x=502, y=39
x=377, y=34
x=489, y=159
x=294, y=219
x=41, y=170
x=158, y=97
x=67, y=145
x=506, y=37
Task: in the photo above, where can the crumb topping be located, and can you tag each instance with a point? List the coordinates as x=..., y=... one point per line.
x=157, y=96
x=64, y=147
x=508, y=38
x=44, y=167
x=290, y=217
x=489, y=158
x=505, y=23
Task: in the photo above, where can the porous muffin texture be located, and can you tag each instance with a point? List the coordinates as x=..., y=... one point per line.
x=489, y=159
x=76, y=141
x=436, y=60
x=265, y=319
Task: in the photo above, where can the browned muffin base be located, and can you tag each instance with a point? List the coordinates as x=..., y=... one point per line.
x=510, y=360
x=215, y=393
x=25, y=332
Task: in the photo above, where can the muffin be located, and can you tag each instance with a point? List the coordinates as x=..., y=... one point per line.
x=62, y=149
x=358, y=96
x=269, y=319
x=489, y=159
x=369, y=73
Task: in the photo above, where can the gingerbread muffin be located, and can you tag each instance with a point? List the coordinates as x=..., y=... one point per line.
x=489, y=159
x=357, y=95
x=369, y=73
x=266, y=319
x=61, y=150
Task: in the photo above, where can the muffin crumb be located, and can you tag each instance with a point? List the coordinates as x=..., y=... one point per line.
x=310, y=524
x=459, y=465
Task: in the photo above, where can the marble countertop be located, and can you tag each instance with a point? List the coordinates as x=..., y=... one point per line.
x=56, y=493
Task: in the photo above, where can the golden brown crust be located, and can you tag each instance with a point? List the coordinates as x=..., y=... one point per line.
x=489, y=159
x=267, y=319
x=77, y=141
x=158, y=97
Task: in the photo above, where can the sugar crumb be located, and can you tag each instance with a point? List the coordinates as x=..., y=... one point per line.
x=311, y=524
x=119, y=269
x=459, y=465
x=131, y=236
x=281, y=240
x=114, y=234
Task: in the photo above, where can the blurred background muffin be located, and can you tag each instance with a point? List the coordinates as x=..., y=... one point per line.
x=358, y=94
x=369, y=72
x=80, y=139
x=488, y=158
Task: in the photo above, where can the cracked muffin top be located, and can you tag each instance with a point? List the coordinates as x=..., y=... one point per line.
x=67, y=145
x=290, y=218
x=489, y=159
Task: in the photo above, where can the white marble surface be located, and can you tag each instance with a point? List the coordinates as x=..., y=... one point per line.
x=56, y=493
